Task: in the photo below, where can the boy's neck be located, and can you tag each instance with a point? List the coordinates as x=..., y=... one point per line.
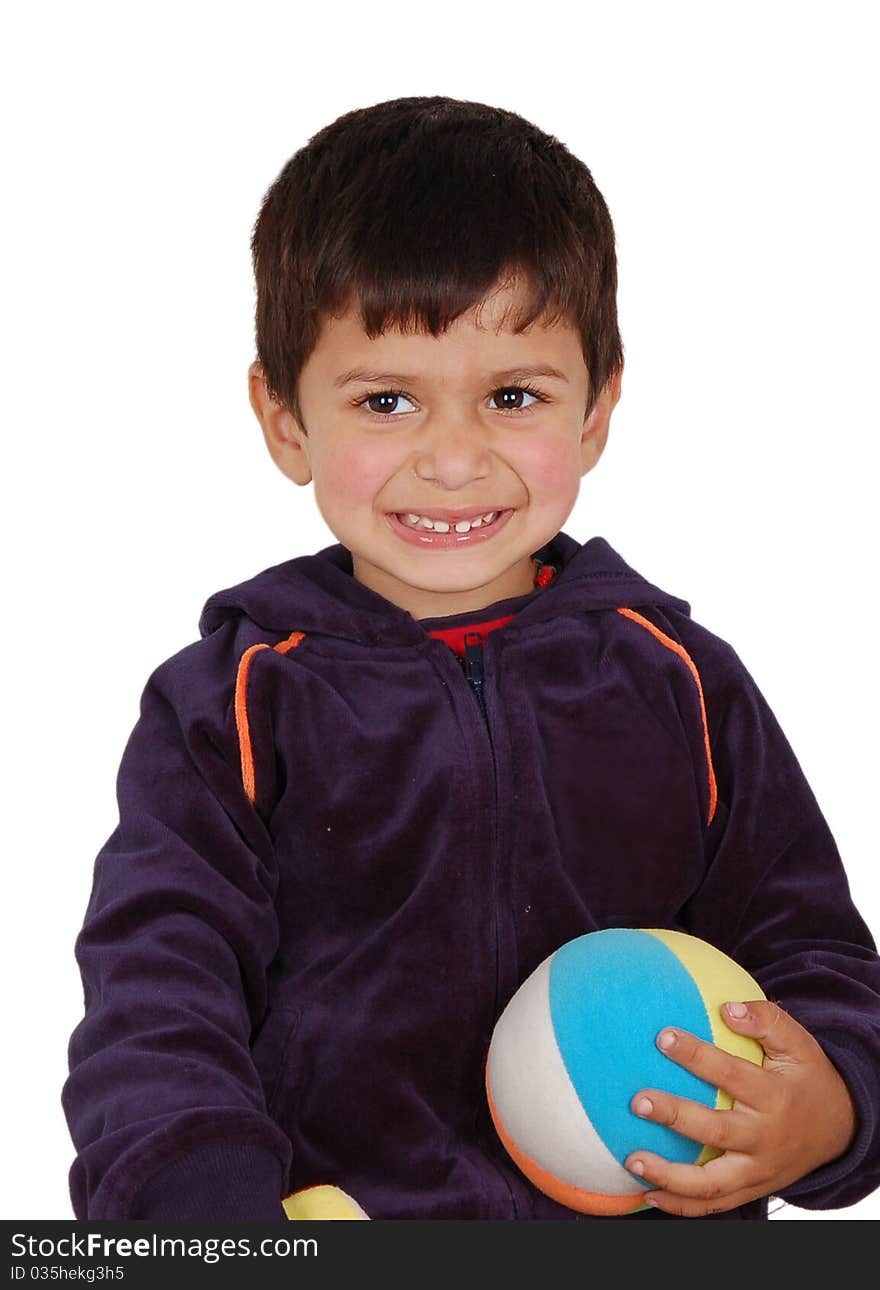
x=419, y=604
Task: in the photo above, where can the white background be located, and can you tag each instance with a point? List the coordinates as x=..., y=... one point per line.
x=735, y=145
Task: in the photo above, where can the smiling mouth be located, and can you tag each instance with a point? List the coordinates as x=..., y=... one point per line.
x=427, y=524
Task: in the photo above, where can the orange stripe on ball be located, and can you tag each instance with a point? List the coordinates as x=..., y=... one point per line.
x=585, y=1202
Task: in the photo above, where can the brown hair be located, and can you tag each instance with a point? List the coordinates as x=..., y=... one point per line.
x=415, y=208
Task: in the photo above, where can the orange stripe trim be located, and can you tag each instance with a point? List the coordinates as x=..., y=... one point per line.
x=291, y=643
x=685, y=656
x=242, y=724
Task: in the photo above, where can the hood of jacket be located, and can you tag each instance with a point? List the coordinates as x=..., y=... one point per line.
x=318, y=594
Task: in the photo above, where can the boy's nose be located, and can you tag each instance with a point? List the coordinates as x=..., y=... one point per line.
x=453, y=454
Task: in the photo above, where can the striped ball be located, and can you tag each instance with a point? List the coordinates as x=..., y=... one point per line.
x=578, y=1040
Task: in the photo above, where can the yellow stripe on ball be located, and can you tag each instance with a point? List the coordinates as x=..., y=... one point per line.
x=720, y=980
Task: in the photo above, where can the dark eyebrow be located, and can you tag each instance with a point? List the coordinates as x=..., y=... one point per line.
x=513, y=374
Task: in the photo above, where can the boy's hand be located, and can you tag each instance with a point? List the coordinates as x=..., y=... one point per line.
x=789, y=1116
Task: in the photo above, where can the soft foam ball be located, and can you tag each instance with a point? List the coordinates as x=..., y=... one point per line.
x=322, y=1202
x=578, y=1040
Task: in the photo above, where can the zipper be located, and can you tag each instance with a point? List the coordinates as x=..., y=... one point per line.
x=473, y=670
x=473, y=667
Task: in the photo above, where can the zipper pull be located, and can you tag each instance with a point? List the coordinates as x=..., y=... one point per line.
x=473, y=668
x=473, y=658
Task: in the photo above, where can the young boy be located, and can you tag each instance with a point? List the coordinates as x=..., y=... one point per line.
x=392, y=777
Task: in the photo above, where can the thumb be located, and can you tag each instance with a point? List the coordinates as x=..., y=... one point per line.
x=777, y=1033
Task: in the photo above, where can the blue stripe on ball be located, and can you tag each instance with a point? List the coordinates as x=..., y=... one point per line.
x=606, y=1034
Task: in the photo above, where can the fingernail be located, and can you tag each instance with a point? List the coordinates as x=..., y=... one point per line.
x=644, y=1106
x=637, y=1167
x=738, y=1010
x=649, y=1201
x=666, y=1040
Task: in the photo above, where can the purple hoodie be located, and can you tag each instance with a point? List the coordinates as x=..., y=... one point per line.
x=341, y=849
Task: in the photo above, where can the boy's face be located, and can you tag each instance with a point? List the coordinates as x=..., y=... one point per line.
x=444, y=430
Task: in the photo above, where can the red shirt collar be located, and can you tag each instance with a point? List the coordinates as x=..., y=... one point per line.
x=454, y=636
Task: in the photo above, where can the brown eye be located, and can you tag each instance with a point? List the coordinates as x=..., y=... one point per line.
x=384, y=402
x=512, y=395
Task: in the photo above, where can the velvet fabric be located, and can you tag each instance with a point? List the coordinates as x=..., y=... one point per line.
x=304, y=984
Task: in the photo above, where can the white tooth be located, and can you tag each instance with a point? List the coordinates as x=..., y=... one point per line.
x=412, y=519
x=428, y=524
x=487, y=519
x=463, y=526
x=441, y=526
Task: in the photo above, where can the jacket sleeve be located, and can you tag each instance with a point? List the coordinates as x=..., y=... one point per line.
x=776, y=899
x=163, y=1101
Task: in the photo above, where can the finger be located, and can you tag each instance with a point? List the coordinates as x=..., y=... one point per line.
x=779, y=1034
x=741, y=1079
x=688, y=1207
x=727, y=1130
x=712, y=1184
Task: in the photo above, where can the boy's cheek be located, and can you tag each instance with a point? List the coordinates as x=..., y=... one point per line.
x=551, y=466
x=351, y=477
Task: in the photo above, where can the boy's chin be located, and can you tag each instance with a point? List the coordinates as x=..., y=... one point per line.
x=440, y=593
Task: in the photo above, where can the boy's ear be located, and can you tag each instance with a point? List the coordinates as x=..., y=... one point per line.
x=597, y=421
x=286, y=440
